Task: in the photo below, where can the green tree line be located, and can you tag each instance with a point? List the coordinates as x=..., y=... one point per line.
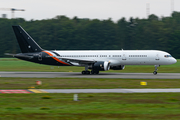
x=63, y=33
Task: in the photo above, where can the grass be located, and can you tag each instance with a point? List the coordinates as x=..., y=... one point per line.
x=13, y=64
x=162, y=106
x=86, y=83
x=106, y=106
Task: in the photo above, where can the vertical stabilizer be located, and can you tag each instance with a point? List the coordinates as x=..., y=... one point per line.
x=26, y=42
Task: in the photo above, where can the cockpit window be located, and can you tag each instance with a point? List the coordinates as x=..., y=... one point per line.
x=167, y=56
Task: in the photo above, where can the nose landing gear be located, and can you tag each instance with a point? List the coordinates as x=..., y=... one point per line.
x=155, y=71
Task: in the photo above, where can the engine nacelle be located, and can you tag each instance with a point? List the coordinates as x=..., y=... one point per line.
x=100, y=66
x=119, y=67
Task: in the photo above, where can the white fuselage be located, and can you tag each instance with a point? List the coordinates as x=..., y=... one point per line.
x=121, y=57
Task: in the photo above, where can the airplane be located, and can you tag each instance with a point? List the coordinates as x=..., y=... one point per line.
x=95, y=60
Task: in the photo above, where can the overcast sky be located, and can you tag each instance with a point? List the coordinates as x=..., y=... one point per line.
x=93, y=9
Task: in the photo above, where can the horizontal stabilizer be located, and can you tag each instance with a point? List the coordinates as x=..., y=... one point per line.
x=19, y=56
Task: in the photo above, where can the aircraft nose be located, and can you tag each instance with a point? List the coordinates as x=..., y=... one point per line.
x=174, y=60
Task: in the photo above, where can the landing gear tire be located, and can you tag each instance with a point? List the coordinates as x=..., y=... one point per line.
x=85, y=72
x=97, y=72
x=155, y=73
x=94, y=72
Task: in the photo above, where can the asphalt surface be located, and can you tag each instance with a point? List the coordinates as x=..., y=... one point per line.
x=101, y=75
x=176, y=90
x=110, y=90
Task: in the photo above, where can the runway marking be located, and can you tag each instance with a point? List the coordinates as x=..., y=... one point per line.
x=37, y=91
x=14, y=91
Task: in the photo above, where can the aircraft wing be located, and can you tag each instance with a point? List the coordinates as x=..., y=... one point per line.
x=80, y=61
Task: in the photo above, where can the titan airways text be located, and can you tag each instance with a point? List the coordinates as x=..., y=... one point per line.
x=96, y=60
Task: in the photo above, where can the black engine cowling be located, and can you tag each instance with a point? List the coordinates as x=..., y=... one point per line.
x=100, y=66
x=119, y=67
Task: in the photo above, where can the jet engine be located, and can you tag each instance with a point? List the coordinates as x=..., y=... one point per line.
x=119, y=67
x=100, y=66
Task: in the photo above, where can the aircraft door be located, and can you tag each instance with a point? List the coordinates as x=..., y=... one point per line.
x=124, y=56
x=157, y=57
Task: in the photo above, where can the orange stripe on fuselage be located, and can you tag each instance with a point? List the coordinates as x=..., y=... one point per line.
x=56, y=58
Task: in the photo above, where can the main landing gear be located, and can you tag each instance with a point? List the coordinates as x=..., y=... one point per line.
x=155, y=71
x=90, y=72
x=86, y=72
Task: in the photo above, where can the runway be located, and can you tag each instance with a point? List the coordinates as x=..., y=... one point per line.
x=101, y=75
x=110, y=90
x=177, y=90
